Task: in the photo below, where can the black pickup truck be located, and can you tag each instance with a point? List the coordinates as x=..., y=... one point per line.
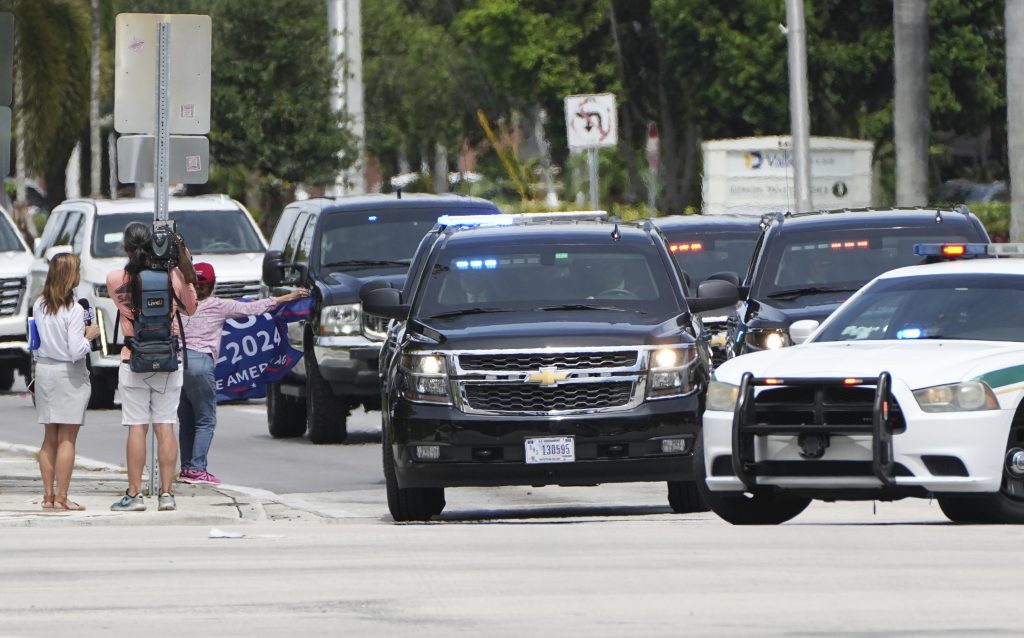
x=332, y=246
x=553, y=349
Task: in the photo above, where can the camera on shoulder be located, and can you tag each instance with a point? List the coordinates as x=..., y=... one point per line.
x=165, y=245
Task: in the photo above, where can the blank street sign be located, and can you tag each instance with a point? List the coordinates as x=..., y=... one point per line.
x=135, y=73
x=190, y=159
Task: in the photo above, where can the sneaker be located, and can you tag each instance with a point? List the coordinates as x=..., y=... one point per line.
x=187, y=475
x=167, y=503
x=129, y=503
x=199, y=477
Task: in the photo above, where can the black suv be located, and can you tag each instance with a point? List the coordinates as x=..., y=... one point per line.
x=553, y=349
x=805, y=265
x=712, y=246
x=333, y=246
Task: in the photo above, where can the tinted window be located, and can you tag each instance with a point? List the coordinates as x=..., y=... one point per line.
x=524, y=277
x=845, y=258
x=53, y=226
x=70, y=229
x=9, y=236
x=980, y=306
x=205, y=232
x=373, y=236
x=283, y=228
x=293, y=238
x=704, y=254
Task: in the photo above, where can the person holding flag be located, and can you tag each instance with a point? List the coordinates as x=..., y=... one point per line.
x=197, y=410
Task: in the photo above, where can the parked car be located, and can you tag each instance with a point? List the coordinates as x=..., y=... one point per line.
x=15, y=259
x=540, y=350
x=913, y=388
x=805, y=265
x=216, y=228
x=333, y=246
x=712, y=246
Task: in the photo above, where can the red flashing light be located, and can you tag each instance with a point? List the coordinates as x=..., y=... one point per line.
x=687, y=247
x=853, y=381
x=953, y=250
x=849, y=245
x=773, y=381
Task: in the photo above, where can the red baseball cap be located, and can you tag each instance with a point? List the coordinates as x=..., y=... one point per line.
x=204, y=273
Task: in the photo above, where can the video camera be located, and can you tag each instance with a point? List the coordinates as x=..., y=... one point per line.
x=165, y=245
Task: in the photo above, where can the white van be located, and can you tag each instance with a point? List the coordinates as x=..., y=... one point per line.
x=216, y=228
x=15, y=259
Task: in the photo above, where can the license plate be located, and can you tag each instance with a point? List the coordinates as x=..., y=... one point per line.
x=551, y=449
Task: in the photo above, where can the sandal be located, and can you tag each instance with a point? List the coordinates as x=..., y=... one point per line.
x=70, y=506
x=47, y=503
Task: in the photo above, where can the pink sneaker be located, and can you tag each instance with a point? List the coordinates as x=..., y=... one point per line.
x=202, y=476
x=188, y=476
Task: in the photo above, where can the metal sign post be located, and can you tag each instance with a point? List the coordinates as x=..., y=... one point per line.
x=591, y=122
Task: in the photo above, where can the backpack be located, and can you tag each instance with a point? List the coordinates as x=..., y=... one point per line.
x=154, y=348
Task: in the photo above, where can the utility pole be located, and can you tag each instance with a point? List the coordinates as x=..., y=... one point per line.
x=96, y=165
x=344, y=22
x=799, y=117
x=1014, y=25
x=911, y=125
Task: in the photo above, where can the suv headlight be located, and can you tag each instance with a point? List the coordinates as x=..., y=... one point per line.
x=669, y=373
x=767, y=338
x=721, y=396
x=968, y=396
x=344, y=320
x=425, y=378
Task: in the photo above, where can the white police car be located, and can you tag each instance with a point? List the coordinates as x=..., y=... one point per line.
x=913, y=387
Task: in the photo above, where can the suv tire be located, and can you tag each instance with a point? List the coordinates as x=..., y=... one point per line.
x=6, y=379
x=739, y=508
x=286, y=416
x=408, y=504
x=685, y=498
x=325, y=414
x=103, y=386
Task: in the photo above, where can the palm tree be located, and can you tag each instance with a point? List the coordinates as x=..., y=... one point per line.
x=911, y=119
x=1014, y=24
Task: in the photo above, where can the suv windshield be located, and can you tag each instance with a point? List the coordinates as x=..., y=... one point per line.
x=809, y=262
x=708, y=253
x=220, y=232
x=9, y=237
x=549, y=276
x=369, y=239
x=983, y=307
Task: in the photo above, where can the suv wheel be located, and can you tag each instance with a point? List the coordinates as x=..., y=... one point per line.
x=325, y=414
x=103, y=386
x=739, y=508
x=6, y=379
x=286, y=416
x=684, y=497
x=412, y=503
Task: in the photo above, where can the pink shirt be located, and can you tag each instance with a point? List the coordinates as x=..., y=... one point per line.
x=203, y=328
x=118, y=289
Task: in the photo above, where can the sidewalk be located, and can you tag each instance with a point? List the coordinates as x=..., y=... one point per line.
x=96, y=485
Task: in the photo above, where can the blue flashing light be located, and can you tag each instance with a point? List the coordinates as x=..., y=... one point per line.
x=372, y=218
x=470, y=221
x=909, y=333
x=462, y=264
x=476, y=264
x=951, y=251
x=490, y=263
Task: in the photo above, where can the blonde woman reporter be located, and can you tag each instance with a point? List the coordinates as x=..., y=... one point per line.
x=61, y=380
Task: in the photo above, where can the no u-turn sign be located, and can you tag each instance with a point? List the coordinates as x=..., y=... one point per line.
x=591, y=121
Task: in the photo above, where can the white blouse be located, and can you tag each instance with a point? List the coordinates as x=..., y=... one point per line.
x=62, y=334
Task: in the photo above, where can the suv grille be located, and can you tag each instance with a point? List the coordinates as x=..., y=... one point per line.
x=822, y=405
x=375, y=327
x=237, y=289
x=11, y=291
x=506, y=397
x=560, y=360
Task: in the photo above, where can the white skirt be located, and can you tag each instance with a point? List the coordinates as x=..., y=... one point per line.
x=62, y=390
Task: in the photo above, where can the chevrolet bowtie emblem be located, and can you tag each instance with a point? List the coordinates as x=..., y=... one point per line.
x=547, y=376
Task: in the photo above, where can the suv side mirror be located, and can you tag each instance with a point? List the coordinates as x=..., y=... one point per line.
x=712, y=294
x=273, y=268
x=800, y=331
x=731, y=277
x=385, y=302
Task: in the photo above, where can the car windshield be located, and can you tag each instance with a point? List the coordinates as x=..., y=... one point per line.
x=984, y=307
x=221, y=232
x=828, y=260
x=9, y=237
x=701, y=255
x=546, y=277
x=374, y=238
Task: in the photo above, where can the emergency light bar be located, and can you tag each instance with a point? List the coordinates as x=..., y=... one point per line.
x=507, y=219
x=687, y=247
x=951, y=250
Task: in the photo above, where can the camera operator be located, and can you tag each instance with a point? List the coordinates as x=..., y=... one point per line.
x=150, y=397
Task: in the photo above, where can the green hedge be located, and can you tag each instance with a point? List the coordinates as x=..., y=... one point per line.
x=995, y=216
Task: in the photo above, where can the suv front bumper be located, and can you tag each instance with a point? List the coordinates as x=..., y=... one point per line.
x=349, y=365
x=478, y=450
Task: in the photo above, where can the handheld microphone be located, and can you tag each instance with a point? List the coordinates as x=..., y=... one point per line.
x=89, y=317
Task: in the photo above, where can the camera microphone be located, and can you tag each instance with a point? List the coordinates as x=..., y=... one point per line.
x=89, y=318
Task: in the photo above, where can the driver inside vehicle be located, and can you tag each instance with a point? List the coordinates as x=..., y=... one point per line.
x=610, y=281
x=474, y=286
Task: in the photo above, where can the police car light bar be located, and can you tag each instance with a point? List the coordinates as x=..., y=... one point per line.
x=951, y=250
x=506, y=219
x=1006, y=250
x=469, y=221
